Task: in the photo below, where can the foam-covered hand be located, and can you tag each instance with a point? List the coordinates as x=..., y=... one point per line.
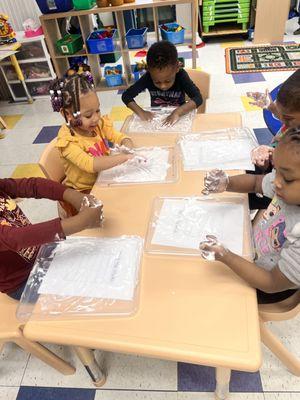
x=262, y=156
x=215, y=181
x=171, y=119
x=211, y=249
x=90, y=201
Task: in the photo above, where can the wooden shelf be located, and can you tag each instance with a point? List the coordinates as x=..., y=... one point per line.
x=61, y=61
x=224, y=30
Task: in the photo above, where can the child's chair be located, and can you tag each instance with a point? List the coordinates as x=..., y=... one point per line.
x=281, y=311
x=51, y=164
x=11, y=330
x=202, y=80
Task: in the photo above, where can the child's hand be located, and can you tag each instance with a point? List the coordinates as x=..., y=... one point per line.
x=262, y=155
x=91, y=217
x=211, y=249
x=123, y=157
x=146, y=115
x=90, y=201
x=262, y=100
x=171, y=119
x=215, y=181
x=122, y=149
x=73, y=197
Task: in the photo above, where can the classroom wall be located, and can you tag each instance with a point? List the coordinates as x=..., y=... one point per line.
x=18, y=11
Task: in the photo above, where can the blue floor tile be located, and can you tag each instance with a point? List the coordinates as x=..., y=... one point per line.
x=46, y=134
x=187, y=55
x=263, y=135
x=46, y=393
x=248, y=78
x=197, y=378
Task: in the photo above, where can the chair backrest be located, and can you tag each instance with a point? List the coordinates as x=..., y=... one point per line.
x=51, y=163
x=202, y=80
x=281, y=311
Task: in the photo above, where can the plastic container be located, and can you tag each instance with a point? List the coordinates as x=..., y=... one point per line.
x=136, y=38
x=137, y=74
x=102, y=3
x=173, y=37
x=84, y=4
x=98, y=46
x=110, y=57
x=69, y=44
x=113, y=79
x=32, y=33
x=54, y=6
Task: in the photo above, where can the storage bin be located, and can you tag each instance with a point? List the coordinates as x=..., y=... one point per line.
x=174, y=37
x=136, y=38
x=54, y=6
x=84, y=4
x=69, y=44
x=105, y=45
x=110, y=57
x=137, y=73
x=113, y=79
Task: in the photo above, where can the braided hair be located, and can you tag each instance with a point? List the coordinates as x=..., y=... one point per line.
x=65, y=94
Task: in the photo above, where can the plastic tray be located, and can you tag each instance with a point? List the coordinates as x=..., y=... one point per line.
x=49, y=290
x=136, y=125
x=179, y=228
x=163, y=168
x=227, y=149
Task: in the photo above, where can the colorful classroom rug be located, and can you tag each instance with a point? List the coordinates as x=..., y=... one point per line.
x=262, y=58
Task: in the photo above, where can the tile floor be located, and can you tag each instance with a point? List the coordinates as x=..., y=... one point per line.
x=129, y=377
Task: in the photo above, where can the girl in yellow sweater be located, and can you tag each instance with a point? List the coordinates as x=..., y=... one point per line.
x=83, y=140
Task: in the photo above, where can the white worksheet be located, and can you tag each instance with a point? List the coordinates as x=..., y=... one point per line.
x=105, y=269
x=184, y=223
x=184, y=124
x=204, y=153
x=151, y=165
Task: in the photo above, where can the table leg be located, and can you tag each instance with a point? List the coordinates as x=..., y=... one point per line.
x=87, y=358
x=222, y=383
x=19, y=72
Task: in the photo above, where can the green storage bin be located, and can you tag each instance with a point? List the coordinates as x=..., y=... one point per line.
x=69, y=44
x=83, y=4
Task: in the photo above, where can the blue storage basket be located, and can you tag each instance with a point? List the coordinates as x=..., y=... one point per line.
x=173, y=37
x=136, y=38
x=98, y=46
x=54, y=6
x=113, y=80
x=137, y=74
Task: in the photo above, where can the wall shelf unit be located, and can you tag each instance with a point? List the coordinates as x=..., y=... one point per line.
x=61, y=62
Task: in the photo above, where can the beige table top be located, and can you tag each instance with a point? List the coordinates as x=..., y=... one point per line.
x=190, y=310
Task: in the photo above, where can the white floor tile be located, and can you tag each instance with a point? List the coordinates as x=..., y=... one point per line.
x=130, y=395
x=39, y=374
x=39, y=210
x=124, y=372
x=13, y=361
x=211, y=396
x=274, y=375
x=132, y=372
x=282, y=396
x=6, y=170
x=8, y=393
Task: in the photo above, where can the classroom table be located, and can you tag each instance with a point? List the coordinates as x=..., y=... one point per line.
x=190, y=310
